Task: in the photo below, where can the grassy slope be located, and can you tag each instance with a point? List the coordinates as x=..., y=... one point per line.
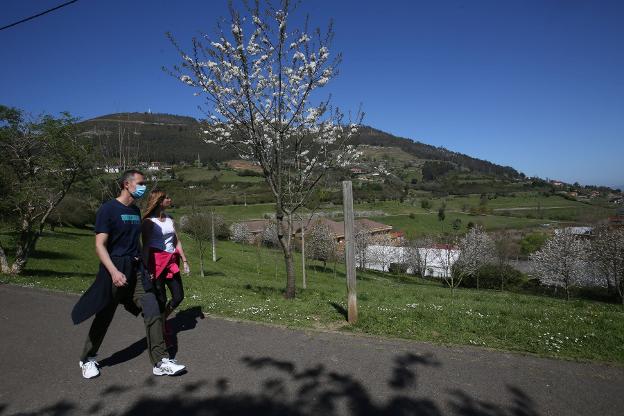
x=389, y=305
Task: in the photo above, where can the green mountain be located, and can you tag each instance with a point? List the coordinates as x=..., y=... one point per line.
x=171, y=138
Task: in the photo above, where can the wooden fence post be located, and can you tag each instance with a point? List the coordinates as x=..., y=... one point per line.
x=347, y=203
x=212, y=236
x=303, y=262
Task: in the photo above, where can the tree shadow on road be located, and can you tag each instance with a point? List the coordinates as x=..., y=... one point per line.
x=284, y=389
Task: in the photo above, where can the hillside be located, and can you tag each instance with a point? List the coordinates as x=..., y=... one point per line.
x=152, y=135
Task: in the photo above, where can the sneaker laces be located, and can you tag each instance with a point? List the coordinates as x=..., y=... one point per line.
x=90, y=363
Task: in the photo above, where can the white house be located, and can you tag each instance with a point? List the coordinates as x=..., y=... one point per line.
x=577, y=231
x=154, y=166
x=438, y=260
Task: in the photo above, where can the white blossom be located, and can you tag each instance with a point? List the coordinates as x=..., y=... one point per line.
x=561, y=262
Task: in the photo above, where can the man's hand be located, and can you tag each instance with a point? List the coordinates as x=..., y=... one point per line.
x=119, y=279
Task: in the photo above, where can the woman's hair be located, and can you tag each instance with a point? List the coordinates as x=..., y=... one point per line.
x=153, y=203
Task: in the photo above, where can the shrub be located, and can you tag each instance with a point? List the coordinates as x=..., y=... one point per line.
x=397, y=268
x=532, y=242
x=247, y=172
x=490, y=277
x=74, y=212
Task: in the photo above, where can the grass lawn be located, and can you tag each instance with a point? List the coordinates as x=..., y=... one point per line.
x=247, y=284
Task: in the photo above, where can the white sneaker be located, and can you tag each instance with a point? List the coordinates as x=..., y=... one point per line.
x=90, y=368
x=167, y=367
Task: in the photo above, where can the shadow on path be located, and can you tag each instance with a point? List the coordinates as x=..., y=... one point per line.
x=340, y=309
x=183, y=321
x=284, y=389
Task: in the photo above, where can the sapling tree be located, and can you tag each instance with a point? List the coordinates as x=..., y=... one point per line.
x=260, y=80
x=198, y=226
x=362, y=239
x=420, y=254
x=445, y=256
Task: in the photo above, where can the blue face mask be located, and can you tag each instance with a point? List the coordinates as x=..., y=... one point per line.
x=139, y=191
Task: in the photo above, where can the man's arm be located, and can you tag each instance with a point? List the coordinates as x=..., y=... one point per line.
x=118, y=278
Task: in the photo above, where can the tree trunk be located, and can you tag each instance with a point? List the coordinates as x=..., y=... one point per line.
x=201, y=260
x=25, y=246
x=4, y=263
x=284, y=236
x=303, y=262
x=290, y=275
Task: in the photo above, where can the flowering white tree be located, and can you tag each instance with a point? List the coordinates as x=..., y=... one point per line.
x=258, y=78
x=240, y=233
x=269, y=234
x=320, y=243
x=476, y=249
x=607, y=256
x=561, y=262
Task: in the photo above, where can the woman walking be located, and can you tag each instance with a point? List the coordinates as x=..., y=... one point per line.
x=163, y=250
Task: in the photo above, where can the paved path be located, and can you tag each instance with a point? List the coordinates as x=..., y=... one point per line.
x=249, y=369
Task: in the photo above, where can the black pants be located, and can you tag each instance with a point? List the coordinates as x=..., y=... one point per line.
x=177, y=291
x=151, y=303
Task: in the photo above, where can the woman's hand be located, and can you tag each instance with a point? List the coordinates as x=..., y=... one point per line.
x=186, y=268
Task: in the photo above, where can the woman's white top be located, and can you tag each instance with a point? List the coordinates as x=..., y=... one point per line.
x=163, y=235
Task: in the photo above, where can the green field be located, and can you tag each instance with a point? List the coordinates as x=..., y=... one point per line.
x=247, y=284
x=502, y=214
x=198, y=175
x=428, y=223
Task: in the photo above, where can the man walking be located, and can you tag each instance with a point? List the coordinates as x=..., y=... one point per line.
x=122, y=278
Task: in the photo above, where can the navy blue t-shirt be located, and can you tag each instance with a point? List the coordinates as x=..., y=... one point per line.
x=123, y=226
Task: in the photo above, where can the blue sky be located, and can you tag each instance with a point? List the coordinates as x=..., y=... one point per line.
x=537, y=85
